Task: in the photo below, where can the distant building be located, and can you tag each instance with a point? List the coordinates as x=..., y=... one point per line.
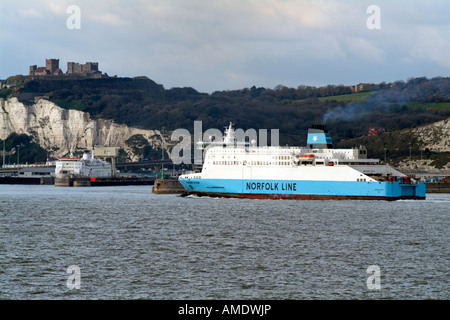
x=33, y=70
x=41, y=71
x=376, y=131
x=52, y=65
x=87, y=69
x=51, y=68
x=361, y=87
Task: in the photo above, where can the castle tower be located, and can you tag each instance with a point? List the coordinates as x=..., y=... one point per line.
x=51, y=65
x=70, y=67
x=33, y=70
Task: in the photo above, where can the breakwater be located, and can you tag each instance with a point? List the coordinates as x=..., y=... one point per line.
x=27, y=181
x=69, y=181
x=438, y=187
x=167, y=186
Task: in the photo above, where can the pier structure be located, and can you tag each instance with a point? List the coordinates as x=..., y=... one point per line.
x=167, y=186
x=107, y=152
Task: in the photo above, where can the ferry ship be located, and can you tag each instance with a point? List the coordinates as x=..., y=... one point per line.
x=87, y=166
x=316, y=172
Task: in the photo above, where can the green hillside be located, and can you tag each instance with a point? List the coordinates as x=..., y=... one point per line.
x=141, y=102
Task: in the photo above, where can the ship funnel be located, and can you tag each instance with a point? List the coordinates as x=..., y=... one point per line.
x=319, y=138
x=86, y=155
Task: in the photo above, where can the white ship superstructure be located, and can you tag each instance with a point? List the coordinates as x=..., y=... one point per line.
x=240, y=169
x=87, y=166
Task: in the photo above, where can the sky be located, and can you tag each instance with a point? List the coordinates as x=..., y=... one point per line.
x=215, y=45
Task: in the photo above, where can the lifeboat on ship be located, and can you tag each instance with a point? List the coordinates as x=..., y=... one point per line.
x=301, y=158
x=305, y=156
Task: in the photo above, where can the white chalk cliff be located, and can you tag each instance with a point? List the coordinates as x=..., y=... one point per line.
x=435, y=136
x=57, y=129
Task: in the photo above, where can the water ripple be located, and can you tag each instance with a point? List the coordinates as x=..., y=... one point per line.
x=132, y=244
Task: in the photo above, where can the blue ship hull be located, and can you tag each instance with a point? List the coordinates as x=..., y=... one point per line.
x=303, y=190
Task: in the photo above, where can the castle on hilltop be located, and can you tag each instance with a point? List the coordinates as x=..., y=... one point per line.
x=51, y=68
x=89, y=69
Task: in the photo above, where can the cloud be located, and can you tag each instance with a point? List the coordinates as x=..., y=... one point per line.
x=108, y=18
x=431, y=44
x=222, y=44
x=365, y=50
x=30, y=13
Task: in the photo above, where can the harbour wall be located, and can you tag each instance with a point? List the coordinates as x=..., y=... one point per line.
x=438, y=187
x=167, y=186
x=27, y=181
x=68, y=181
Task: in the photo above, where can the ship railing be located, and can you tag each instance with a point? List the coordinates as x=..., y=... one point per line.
x=400, y=179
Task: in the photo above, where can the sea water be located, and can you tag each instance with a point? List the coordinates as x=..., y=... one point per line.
x=127, y=243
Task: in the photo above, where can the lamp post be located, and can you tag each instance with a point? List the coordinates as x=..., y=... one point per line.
x=421, y=162
x=410, y=158
x=4, y=151
x=18, y=151
x=4, y=147
x=162, y=152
